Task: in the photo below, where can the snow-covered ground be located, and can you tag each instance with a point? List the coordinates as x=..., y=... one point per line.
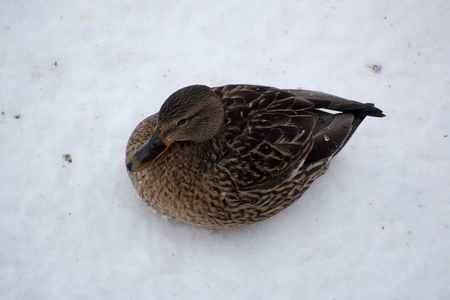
x=76, y=77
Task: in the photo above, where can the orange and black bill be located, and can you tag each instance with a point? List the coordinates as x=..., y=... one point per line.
x=148, y=152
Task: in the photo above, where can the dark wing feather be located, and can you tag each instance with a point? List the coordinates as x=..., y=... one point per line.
x=323, y=100
x=268, y=134
x=332, y=131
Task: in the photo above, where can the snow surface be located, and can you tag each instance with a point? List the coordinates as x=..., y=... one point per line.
x=76, y=77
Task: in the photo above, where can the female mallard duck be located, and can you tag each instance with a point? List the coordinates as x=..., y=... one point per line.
x=237, y=154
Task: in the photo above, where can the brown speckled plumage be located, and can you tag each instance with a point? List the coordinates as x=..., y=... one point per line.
x=238, y=154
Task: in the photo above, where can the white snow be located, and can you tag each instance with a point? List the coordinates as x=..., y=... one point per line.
x=76, y=77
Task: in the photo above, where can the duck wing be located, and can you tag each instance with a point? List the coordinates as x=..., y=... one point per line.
x=270, y=132
x=333, y=130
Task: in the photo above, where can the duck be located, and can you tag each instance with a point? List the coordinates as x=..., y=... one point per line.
x=234, y=155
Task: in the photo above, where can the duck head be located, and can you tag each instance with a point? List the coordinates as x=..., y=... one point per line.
x=194, y=113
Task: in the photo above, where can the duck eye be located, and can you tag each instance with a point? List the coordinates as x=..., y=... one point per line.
x=182, y=122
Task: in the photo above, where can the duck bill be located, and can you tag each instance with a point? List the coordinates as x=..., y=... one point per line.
x=148, y=153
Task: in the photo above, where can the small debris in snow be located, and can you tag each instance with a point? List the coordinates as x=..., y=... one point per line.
x=68, y=158
x=375, y=68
